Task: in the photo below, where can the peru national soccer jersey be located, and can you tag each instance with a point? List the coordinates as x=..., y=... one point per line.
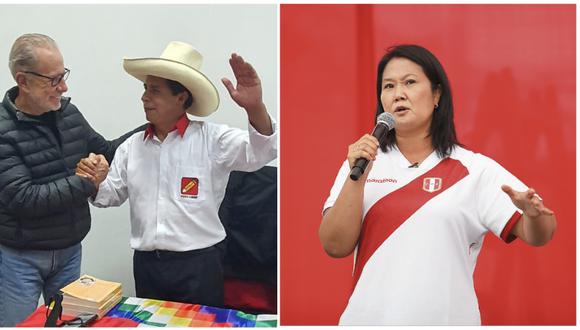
x=423, y=228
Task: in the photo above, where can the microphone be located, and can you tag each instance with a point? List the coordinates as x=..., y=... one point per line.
x=385, y=123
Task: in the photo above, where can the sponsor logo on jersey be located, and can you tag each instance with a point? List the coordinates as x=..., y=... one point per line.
x=189, y=187
x=383, y=180
x=432, y=184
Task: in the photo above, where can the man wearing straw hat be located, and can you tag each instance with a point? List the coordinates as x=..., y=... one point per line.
x=175, y=173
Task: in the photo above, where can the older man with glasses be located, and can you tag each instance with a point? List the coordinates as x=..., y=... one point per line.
x=44, y=213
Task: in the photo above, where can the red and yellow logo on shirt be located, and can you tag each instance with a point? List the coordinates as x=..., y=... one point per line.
x=189, y=187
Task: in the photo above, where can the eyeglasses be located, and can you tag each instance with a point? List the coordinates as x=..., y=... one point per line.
x=53, y=80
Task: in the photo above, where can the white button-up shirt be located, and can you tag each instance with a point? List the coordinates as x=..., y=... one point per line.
x=175, y=187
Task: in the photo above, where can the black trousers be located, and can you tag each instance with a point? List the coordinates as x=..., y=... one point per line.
x=194, y=277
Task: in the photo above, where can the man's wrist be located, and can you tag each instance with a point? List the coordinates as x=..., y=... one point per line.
x=256, y=110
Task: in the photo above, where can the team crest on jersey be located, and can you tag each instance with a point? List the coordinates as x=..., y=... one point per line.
x=189, y=187
x=432, y=184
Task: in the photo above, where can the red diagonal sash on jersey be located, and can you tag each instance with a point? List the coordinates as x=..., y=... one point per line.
x=388, y=213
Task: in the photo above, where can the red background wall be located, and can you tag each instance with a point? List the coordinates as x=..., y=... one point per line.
x=512, y=72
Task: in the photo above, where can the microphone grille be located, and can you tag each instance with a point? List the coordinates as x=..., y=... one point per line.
x=388, y=119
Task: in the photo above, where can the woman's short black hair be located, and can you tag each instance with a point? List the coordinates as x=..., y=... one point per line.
x=442, y=129
x=177, y=88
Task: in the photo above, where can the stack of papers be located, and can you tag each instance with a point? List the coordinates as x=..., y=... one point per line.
x=91, y=295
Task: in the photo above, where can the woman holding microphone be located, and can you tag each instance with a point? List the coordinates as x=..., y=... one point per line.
x=417, y=216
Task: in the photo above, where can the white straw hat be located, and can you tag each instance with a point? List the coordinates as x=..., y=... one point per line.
x=182, y=63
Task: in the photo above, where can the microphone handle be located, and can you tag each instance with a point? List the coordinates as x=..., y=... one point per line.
x=361, y=164
x=358, y=169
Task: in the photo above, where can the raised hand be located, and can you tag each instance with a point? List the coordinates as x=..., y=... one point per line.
x=248, y=91
x=248, y=94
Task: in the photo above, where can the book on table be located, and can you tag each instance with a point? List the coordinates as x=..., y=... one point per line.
x=74, y=310
x=89, y=294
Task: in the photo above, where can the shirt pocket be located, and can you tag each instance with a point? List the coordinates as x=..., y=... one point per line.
x=191, y=184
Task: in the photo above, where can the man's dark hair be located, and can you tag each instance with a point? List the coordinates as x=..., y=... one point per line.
x=442, y=130
x=177, y=88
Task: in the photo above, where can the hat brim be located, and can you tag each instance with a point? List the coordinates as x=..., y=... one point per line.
x=205, y=94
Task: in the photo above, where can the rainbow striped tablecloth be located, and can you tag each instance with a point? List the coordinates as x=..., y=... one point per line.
x=158, y=313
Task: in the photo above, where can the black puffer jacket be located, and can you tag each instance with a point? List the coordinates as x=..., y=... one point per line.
x=43, y=204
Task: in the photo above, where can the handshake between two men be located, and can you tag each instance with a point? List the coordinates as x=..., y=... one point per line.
x=94, y=167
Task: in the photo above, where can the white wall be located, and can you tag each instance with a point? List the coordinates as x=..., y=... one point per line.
x=94, y=39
